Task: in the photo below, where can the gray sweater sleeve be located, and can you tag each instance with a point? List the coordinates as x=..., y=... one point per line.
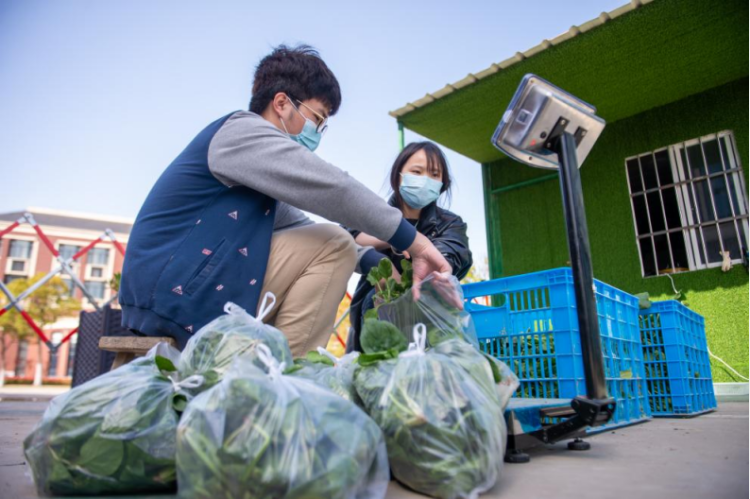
x=248, y=150
x=289, y=217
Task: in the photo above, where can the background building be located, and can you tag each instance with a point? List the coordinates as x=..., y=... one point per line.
x=22, y=255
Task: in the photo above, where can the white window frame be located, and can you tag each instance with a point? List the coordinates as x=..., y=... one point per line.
x=30, y=263
x=76, y=266
x=684, y=191
x=107, y=268
x=67, y=242
x=107, y=271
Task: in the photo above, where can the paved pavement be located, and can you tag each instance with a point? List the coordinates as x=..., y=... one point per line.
x=703, y=457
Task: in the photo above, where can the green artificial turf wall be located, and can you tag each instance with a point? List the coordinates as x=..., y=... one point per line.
x=659, y=53
x=526, y=230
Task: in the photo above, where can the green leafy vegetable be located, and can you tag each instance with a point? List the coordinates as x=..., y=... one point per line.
x=318, y=358
x=269, y=436
x=164, y=364
x=445, y=434
x=371, y=313
x=381, y=277
x=337, y=377
x=179, y=402
x=114, y=434
x=438, y=307
x=378, y=336
x=491, y=374
x=437, y=335
x=211, y=350
x=368, y=359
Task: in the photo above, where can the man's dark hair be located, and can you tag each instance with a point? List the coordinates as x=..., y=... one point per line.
x=300, y=73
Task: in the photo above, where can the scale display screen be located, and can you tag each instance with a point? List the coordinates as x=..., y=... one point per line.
x=539, y=114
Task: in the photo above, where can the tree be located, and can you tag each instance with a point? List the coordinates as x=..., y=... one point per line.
x=45, y=305
x=477, y=273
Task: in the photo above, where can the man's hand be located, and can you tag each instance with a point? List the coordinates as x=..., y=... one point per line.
x=425, y=259
x=445, y=286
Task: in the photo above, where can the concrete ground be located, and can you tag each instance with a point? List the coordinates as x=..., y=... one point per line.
x=703, y=457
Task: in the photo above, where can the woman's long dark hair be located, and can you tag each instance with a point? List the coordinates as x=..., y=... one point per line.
x=435, y=162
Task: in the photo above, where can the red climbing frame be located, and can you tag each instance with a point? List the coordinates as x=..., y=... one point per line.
x=339, y=321
x=64, y=267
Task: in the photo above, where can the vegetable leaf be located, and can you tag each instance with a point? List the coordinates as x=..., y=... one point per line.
x=385, y=268
x=164, y=364
x=101, y=456
x=318, y=358
x=378, y=336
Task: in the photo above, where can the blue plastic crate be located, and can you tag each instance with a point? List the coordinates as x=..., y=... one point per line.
x=678, y=371
x=532, y=325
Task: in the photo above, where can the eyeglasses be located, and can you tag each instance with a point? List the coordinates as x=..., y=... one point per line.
x=322, y=124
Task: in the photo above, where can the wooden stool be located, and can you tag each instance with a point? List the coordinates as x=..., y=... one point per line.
x=129, y=348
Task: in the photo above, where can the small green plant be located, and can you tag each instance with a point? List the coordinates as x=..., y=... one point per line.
x=388, y=289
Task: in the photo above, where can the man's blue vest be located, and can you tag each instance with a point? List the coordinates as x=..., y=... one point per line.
x=195, y=245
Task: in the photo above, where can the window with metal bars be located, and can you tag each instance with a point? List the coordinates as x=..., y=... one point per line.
x=689, y=205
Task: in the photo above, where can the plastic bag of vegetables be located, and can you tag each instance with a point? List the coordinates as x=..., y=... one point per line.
x=268, y=435
x=330, y=372
x=114, y=434
x=211, y=350
x=439, y=305
x=445, y=432
x=492, y=375
x=382, y=340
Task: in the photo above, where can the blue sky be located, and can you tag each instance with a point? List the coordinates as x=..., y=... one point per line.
x=97, y=98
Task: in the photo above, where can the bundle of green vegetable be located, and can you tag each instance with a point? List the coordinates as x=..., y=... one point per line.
x=114, y=434
x=211, y=350
x=329, y=372
x=388, y=289
x=382, y=340
x=445, y=431
x=439, y=307
x=268, y=435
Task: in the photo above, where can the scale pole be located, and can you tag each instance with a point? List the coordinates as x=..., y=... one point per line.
x=580, y=259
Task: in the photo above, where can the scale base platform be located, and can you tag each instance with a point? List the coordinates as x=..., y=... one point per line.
x=526, y=417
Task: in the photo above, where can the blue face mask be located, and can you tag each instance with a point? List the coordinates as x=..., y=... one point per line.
x=309, y=136
x=419, y=190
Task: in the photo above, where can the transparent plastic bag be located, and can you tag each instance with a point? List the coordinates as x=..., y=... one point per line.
x=491, y=374
x=211, y=350
x=114, y=434
x=439, y=307
x=268, y=435
x=337, y=376
x=444, y=432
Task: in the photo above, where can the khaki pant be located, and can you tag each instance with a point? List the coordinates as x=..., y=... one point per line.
x=308, y=270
